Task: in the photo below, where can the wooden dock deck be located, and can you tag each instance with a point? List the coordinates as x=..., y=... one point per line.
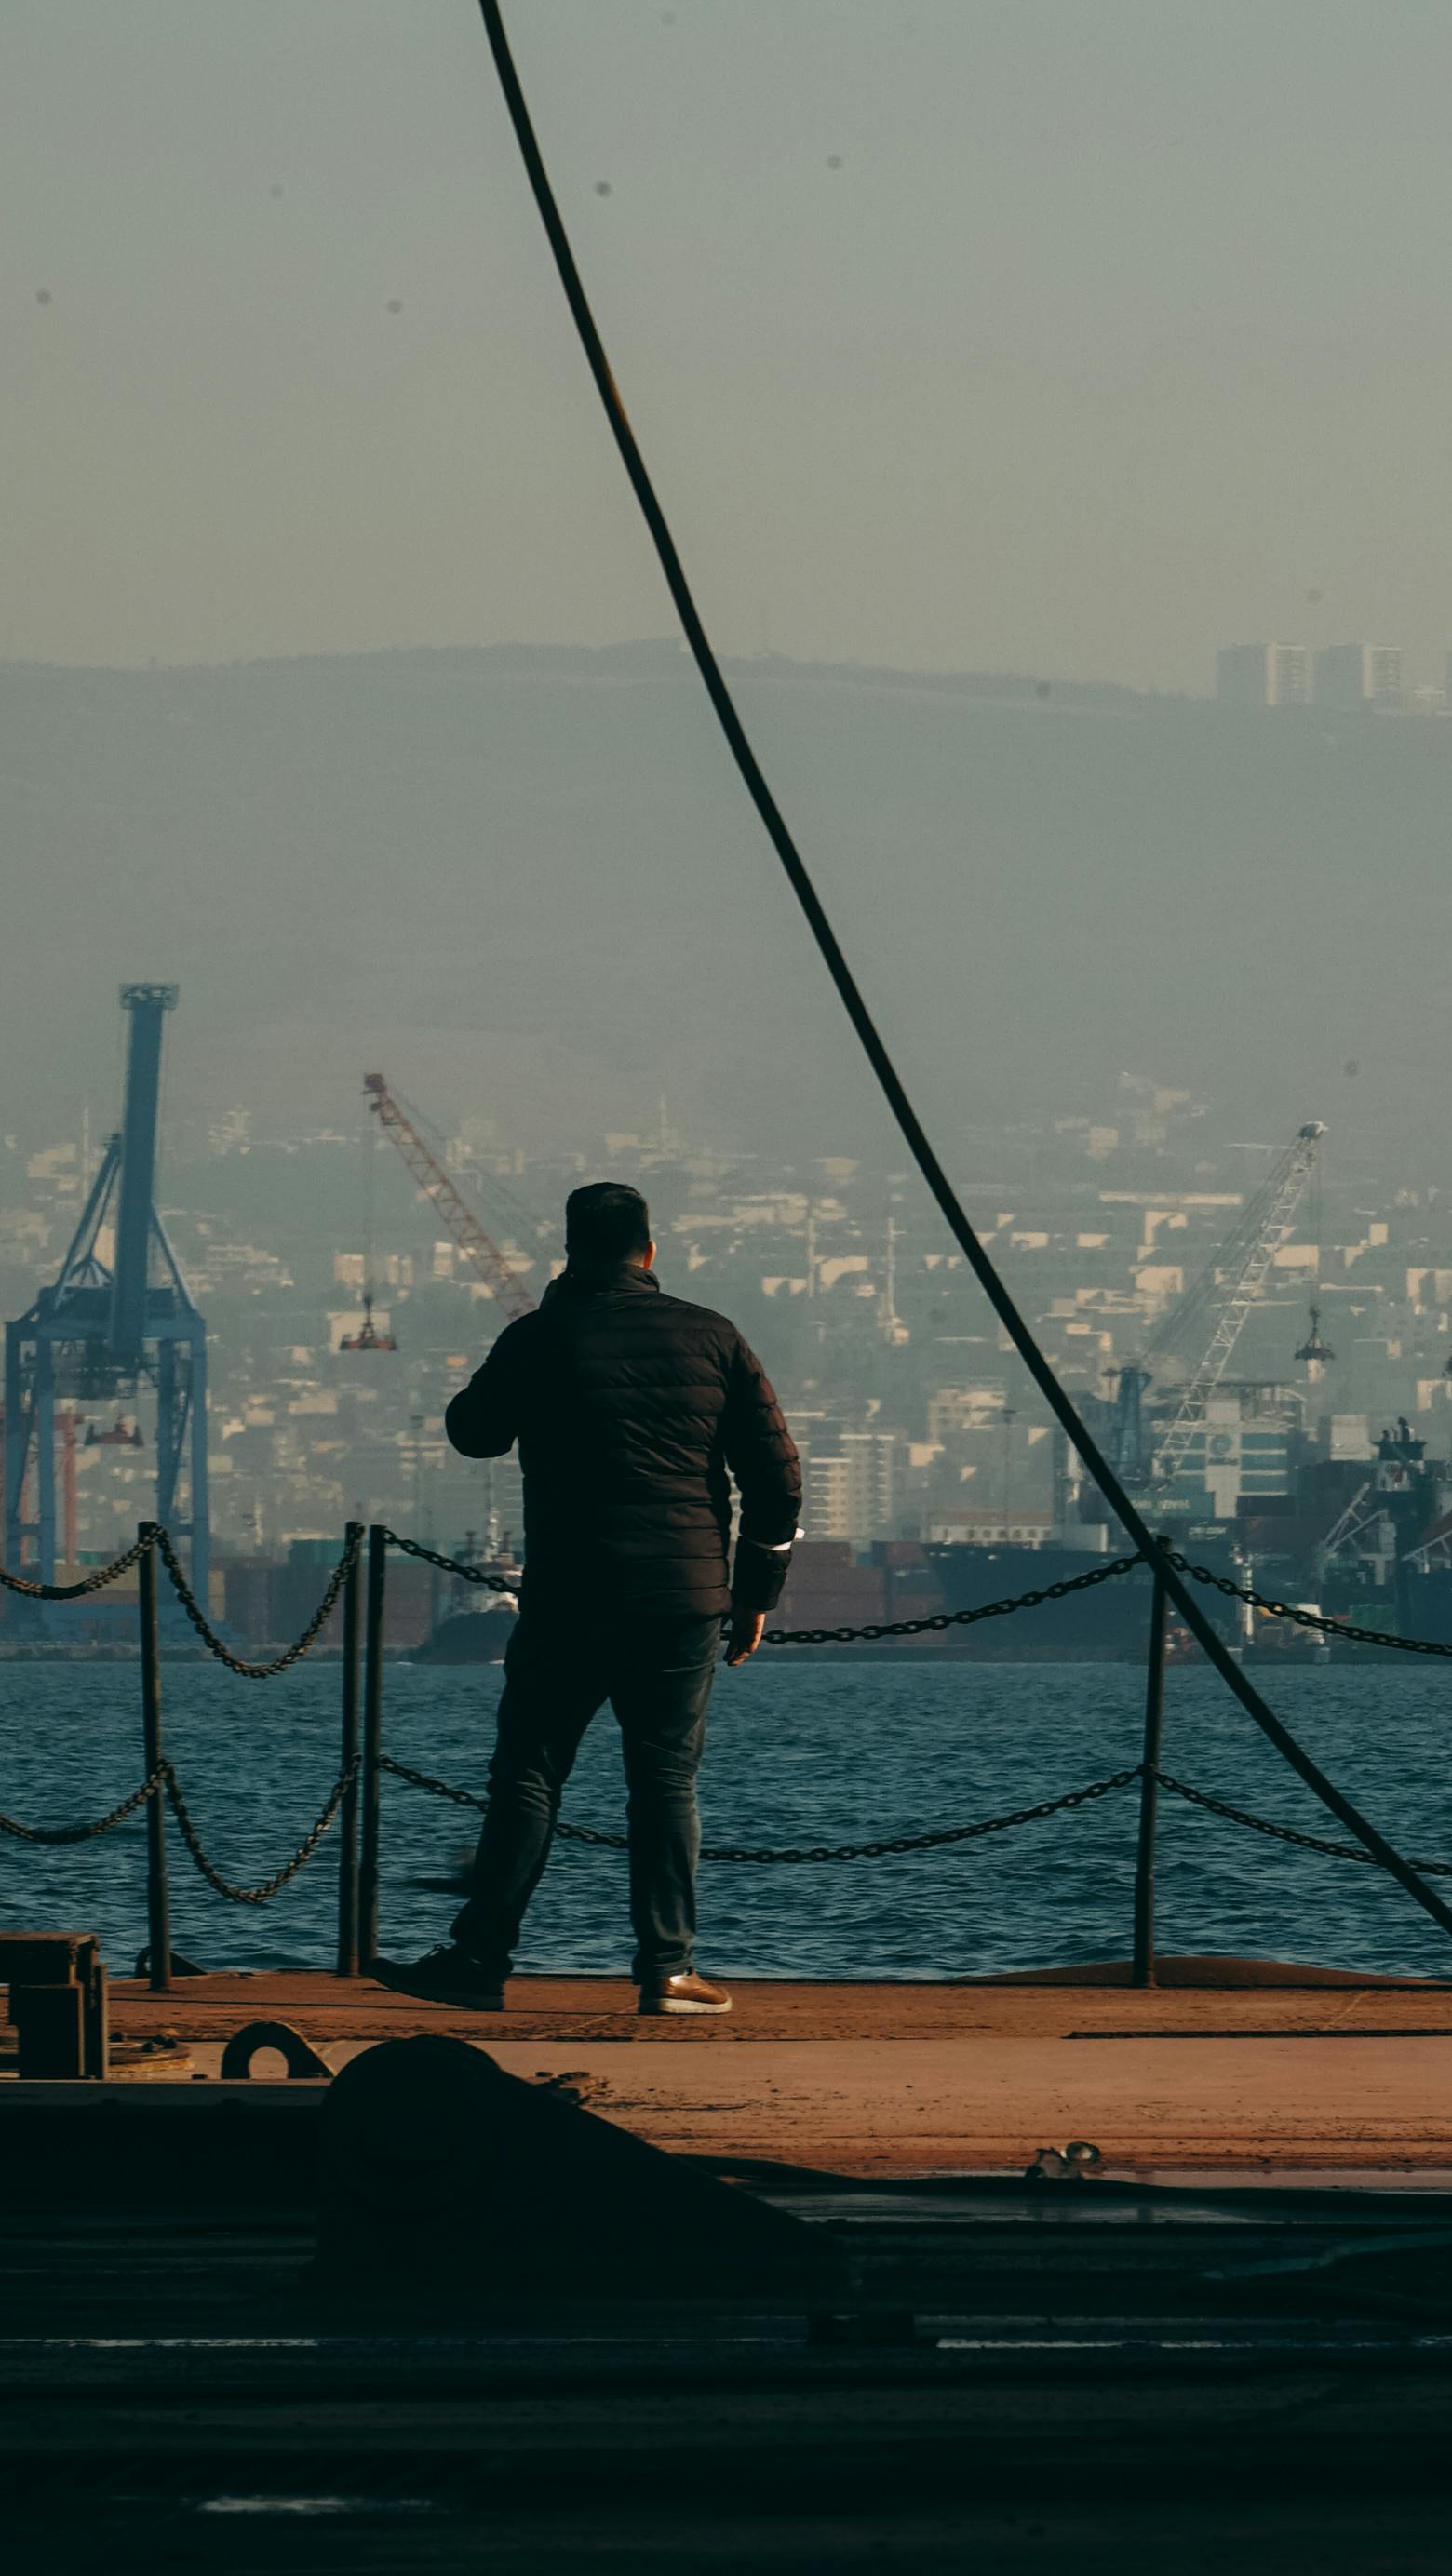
x=1007, y=2373
x=1226, y=2065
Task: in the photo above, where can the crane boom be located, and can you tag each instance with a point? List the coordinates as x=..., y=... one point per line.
x=457, y=1215
x=147, y=1005
x=1264, y=1228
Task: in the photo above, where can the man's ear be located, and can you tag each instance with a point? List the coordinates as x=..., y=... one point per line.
x=647, y=1258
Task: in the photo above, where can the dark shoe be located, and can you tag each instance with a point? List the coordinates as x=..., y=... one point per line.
x=688, y=1994
x=446, y=1975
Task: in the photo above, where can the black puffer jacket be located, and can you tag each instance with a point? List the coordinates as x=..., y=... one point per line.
x=631, y=1409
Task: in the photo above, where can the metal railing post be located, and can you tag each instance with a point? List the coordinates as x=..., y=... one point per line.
x=1142, y=1972
x=158, y=1909
x=372, y=1744
x=348, y=1757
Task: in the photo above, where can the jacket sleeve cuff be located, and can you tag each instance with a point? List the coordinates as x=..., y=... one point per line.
x=759, y=1577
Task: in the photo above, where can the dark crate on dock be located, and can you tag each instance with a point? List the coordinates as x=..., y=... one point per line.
x=56, y=1987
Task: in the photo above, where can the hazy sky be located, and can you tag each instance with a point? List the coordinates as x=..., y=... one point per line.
x=1067, y=335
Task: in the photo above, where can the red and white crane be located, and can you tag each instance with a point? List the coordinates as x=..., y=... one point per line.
x=477, y=1247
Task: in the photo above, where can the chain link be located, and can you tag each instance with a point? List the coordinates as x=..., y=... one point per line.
x=95, y=1582
x=1305, y=1618
x=935, y=1841
x=164, y=1777
x=268, y=1887
x=934, y=1623
x=209, y=1637
x=449, y=1564
x=889, y=1847
x=937, y=1621
x=56, y=1834
x=794, y=1854
x=469, y=1798
x=1288, y=1833
x=943, y=1619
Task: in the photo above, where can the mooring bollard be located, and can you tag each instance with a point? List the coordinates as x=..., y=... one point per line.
x=1143, y=1970
x=158, y=1910
x=372, y=1744
x=348, y=1756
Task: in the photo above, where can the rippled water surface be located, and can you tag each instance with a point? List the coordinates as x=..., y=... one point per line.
x=798, y=1753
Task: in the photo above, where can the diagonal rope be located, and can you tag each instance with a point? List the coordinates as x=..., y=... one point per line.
x=863, y=1024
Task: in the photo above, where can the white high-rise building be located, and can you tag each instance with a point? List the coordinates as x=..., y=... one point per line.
x=853, y=1482
x=1263, y=675
x=1360, y=675
x=827, y=1498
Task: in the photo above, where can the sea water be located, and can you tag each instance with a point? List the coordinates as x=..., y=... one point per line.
x=798, y=1752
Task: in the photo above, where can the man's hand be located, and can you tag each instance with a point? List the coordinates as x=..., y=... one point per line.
x=744, y=1635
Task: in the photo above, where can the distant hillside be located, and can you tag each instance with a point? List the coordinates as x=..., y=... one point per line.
x=529, y=881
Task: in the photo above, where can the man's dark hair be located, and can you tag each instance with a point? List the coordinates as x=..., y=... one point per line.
x=605, y=1221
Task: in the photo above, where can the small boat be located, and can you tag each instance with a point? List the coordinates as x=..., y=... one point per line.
x=469, y=1636
x=1284, y=1641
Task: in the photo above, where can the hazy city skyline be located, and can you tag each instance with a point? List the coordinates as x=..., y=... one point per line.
x=912, y=1418
x=1071, y=341
x=1078, y=342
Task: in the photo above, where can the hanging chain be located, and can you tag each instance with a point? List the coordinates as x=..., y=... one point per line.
x=940, y=1620
x=209, y=1637
x=468, y=1798
x=1305, y=1618
x=95, y=1582
x=53, y=1835
x=268, y=1887
x=793, y=1853
x=164, y=1777
x=479, y=1574
x=1288, y=1833
x=933, y=1841
x=934, y=1624
x=897, y=1843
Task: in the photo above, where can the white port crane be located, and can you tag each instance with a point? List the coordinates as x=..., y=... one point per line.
x=1229, y=1288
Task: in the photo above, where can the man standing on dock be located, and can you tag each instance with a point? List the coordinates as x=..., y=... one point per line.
x=632, y=1410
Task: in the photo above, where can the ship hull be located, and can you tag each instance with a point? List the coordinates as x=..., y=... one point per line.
x=1108, y=1623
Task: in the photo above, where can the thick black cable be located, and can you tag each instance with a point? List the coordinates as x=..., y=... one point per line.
x=914, y=1134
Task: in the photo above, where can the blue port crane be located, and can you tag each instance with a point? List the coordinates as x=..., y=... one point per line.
x=108, y=1326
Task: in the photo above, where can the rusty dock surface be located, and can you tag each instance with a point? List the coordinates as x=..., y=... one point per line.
x=216, y=2350
x=1233, y=2065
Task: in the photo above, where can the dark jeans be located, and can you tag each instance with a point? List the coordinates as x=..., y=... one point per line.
x=558, y=1670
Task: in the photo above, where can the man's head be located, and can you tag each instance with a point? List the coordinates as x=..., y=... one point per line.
x=607, y=1222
